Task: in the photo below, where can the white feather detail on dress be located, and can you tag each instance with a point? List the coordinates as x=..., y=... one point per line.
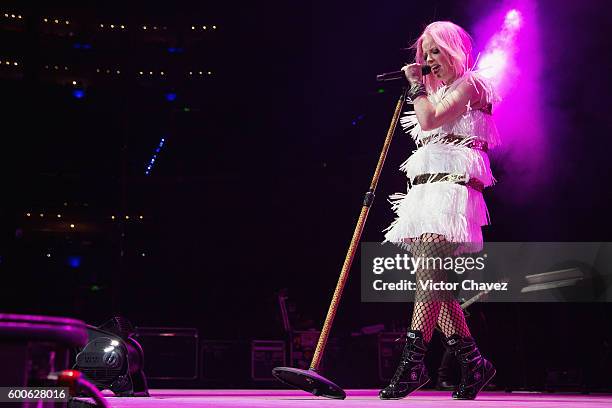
x=449, y=158
x=473, y=123
x=446, y=208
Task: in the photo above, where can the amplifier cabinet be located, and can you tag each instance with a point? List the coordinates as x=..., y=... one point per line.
x=225, y=363
x=303, y=345
x=170, y=353
x=265, y=355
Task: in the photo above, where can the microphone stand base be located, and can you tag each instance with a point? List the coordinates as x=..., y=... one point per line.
x=309, y=381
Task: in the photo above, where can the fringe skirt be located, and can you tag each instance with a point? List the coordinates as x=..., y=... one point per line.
x=458, y=212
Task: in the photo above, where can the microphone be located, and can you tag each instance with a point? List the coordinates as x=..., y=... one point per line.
x=396, y=75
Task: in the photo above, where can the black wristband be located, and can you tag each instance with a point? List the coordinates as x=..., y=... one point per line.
x=416, y=89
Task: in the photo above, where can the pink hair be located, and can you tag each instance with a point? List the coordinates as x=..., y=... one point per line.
x=454, y=42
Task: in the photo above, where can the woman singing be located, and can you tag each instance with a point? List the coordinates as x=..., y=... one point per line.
x=443, y=211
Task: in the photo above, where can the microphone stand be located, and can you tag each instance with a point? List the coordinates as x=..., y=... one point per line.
x=310, y=380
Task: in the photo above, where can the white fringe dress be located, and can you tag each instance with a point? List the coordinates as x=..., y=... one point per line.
x=444, y=207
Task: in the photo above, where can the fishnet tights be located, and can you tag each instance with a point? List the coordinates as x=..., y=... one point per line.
x=435, y=307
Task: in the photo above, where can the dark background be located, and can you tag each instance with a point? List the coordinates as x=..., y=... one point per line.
x=260, y=181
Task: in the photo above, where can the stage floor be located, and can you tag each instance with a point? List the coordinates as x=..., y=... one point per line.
x=355, y=398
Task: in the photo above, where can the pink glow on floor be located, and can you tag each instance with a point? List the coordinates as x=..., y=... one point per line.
x=355, y=398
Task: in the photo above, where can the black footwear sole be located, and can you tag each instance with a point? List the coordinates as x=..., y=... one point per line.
x=416, y=389
x=484, y=384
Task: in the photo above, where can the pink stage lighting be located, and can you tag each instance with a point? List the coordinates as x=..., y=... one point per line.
x=498, y=56
x=511, y=57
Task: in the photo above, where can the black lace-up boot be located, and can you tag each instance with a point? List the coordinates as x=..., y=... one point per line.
x=411, y=373
x=476, y=371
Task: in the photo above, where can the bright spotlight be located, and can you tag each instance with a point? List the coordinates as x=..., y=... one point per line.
x=513, y=19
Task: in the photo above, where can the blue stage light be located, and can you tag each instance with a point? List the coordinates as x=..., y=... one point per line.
x=170, y=96
x=149, y=166
x=357, y=120
x=74, y=261
x=78, y=93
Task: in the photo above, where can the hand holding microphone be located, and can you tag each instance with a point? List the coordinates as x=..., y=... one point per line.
x=411, y=72
x=414, y=72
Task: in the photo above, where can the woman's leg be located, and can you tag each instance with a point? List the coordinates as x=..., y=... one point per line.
x=451, y=319
x=476, y=371
x=428, y=304
x=411, y=373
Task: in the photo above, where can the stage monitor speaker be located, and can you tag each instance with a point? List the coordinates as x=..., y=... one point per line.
x=172, y=353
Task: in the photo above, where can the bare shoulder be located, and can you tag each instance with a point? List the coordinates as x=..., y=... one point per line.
x=462, y=92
